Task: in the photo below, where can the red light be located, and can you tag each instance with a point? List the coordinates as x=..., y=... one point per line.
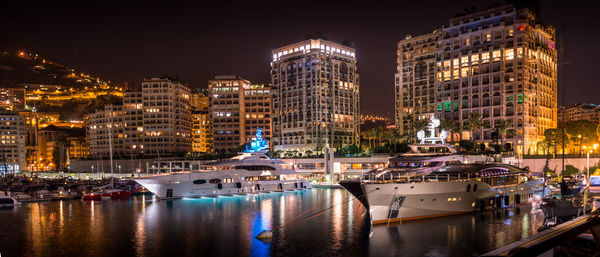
x=522, y=28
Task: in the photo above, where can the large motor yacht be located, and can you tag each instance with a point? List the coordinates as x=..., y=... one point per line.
x=449, y=190
x=250, y=172
x=423, y=159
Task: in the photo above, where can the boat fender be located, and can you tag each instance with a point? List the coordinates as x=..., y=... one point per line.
x=220, y=186
x=238, y=184
x=280, y=186
x=295, y=185
x=517, y=199
x=468, y=188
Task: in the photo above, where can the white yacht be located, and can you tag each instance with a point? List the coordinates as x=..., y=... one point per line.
x=449, y=190
x=423, y=159
x=249, y=173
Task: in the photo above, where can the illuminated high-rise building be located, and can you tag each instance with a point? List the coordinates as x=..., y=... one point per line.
x=238, y=109
x=315, y=96
x=499, y=62
x=154, y=122
x=416, y=94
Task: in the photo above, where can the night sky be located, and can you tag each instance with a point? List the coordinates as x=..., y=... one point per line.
x=125, y=42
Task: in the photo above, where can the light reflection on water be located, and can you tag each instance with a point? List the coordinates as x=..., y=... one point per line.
x=227, y=226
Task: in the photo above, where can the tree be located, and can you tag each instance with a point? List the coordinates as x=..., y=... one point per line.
x=586, y=129
x=503, y=129
x=450, y=126
x=476, y=123
x=394, y=137
x=371, y=135
x=570, y=170
x=379, y=133
x=417, y=126
x=554, y=138
x=59, y=152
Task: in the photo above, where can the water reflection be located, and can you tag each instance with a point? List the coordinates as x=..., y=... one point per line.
x=228, y=226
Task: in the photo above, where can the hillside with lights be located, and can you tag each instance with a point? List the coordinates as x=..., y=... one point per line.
x=51, y=86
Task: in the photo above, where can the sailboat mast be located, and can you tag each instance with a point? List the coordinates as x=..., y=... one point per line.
x=110, y=151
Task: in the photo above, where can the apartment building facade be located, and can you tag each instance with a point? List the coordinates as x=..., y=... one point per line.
x=12, y=142
x=201, y=122
x=415, y=84
x=238, y=109
x=154, y=122
x=501, y=63
x=316, y=102
x=589, y=112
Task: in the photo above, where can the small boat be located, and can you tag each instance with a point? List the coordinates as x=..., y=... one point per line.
x=107, y=194
x=560, y=208
x=6, y=200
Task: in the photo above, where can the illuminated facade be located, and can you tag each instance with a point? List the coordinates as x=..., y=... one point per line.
x=12, y=142
x=12, y=99
x=167, y=117
x=154, y=122
x=238, y=109
x=589, y=112
x=501, y=63
x=201, y=122
x=315, y=96
x=257, y=111
x=415, y=89
x=58, y=145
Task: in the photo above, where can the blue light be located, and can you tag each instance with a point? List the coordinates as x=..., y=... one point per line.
x=259, y=144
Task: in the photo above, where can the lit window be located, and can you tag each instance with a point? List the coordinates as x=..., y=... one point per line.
x=509, y=54
x=485, y=57
x=464, y=72
x=520, y=52
x=464, y=61
x=496, y=55
x=446, y=75
x=474, y=59
x=446, y=65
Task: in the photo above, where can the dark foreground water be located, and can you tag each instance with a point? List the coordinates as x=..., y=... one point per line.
x=227, y=226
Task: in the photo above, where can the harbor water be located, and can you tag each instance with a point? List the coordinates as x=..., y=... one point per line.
x=337, y=225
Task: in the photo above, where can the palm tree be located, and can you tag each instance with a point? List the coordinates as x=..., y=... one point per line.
x=393, y=136
x=450, y=126
x=371, y=135
x=476, y=123
x=503, y=128
x=396, y=138
x=418, y=125
x=379, y=133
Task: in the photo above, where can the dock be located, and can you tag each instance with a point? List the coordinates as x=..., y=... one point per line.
x=546, y=240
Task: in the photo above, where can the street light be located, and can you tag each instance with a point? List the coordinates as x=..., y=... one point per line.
x=587, y=181
x=579, y=136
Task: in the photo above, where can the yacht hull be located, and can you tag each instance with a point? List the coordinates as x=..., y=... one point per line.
x=395, y=202
x=172, y=187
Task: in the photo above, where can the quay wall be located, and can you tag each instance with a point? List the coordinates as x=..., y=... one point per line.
x=308, y=165
x=98, y=166
x=556, y=163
